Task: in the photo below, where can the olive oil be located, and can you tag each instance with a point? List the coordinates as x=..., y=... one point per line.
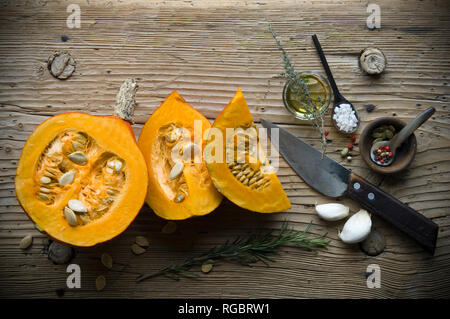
x=319, y=91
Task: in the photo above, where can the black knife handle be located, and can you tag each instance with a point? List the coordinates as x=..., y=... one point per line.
x=417, y=226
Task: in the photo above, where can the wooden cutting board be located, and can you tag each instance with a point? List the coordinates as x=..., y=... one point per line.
x=206, y=50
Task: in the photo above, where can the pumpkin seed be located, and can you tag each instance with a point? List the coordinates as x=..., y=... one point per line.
x=66, y=178
x=235, y=171
x=109, y=170
x=81, y=139
x=78, y=158
x=53, y=171
x=169, y=228
x=259, y=183
x=137, y=250
x=109, y=200
x=239, y=175
x=44, y=197
x=84, y=219
x=26, y=242
x=101, y=208
x=49, y=175
x=177, y=169
x=45, y=180
x=252, y=181
x=77, y=206
x=344, y=152
x=179, y=198
x=142, y=241
x=207, y=267
x=250, y=175
x=266, y=183
x=100, y=283
x=44, y=190
x=107, y=260
x=77, y=146
x=174, y=135
x=70, y=216
x=118, y=166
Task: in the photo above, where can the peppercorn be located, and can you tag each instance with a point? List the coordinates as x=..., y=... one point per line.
x=326, y=133
x=353, y=138
x=350, y=146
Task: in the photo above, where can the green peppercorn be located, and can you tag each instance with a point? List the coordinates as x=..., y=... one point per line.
x=344, y=152
x=389, y=134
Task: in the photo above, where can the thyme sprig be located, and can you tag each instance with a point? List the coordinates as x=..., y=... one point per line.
x=245, y=251
x=302, y=95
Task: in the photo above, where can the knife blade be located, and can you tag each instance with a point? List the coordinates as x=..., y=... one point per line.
x=334, y=180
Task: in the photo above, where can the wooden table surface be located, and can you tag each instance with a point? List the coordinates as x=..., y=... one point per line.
x=206, y=50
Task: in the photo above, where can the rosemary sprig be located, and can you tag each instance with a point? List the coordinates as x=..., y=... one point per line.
x=302, y=94
x=245, y=251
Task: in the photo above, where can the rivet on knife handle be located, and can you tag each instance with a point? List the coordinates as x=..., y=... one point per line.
x=412, y=223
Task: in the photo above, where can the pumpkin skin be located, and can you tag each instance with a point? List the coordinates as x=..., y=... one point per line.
x=103, y=139
x=194, y=186
x=258, y=191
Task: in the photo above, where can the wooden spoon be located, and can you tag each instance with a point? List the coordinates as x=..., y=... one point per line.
x=400, y=137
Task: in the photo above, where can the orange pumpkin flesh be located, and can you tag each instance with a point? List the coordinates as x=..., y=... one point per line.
x=249, y=183
x=191, y=192
x=111, y=196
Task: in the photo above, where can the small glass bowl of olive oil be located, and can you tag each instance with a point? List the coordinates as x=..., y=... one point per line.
x=319, y=91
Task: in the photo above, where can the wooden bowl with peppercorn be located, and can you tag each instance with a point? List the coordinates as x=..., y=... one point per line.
x=383, y=129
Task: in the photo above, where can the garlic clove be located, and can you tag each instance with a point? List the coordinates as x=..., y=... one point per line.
x=332, y=211
x=356, y=228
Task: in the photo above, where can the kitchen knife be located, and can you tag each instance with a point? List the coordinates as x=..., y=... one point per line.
x=334, y=180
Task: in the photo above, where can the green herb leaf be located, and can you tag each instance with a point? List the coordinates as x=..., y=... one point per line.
x=302, y=95
x=245, y=251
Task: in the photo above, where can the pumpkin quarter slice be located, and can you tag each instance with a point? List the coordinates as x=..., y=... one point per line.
x=243, y=175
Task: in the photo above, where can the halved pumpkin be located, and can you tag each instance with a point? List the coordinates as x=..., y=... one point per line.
x=240, y=171
x=179, y=185
x=82, y=178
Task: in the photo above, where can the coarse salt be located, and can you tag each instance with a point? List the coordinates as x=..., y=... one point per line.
x=345, y=117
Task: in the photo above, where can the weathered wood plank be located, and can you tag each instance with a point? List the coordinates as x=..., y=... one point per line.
x=205, y=50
